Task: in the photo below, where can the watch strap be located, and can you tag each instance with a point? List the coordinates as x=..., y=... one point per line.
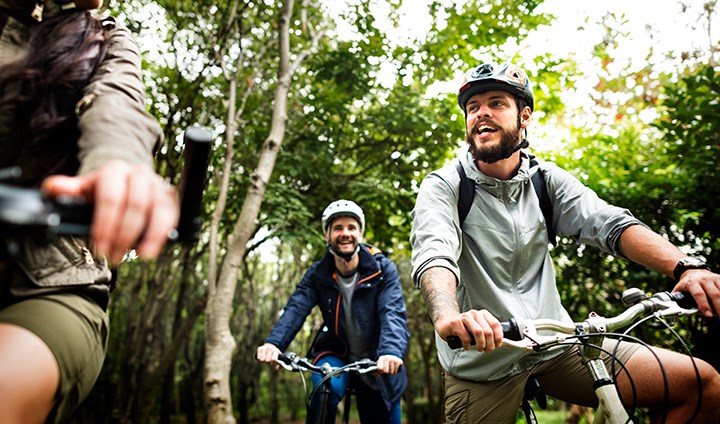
x=687, y=263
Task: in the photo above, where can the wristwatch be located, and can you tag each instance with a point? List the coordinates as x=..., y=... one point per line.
x=686, y=263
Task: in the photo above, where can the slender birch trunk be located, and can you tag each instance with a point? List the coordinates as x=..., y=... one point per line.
x=220, y=343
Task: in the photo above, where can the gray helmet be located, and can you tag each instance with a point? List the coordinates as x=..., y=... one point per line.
x=342, y=208
x=488, y=76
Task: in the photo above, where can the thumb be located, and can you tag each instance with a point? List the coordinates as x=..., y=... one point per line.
x=63, y=185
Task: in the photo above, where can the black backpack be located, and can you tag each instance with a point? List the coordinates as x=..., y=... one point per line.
x=467, y=192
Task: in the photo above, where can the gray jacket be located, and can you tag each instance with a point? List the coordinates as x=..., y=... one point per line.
x=501, y=256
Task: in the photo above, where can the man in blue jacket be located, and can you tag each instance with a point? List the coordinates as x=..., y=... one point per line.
x=359, y=294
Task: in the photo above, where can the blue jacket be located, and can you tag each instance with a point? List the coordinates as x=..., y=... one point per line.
x=378, y=306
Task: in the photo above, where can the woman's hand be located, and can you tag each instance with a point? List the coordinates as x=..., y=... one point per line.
x=133, y=207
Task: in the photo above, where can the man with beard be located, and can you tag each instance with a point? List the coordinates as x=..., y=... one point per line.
x=359, y=294
x=496, y=265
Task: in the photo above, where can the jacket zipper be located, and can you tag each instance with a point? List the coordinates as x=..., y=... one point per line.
x=88, y=256
x=84, y=251
x=37, y=12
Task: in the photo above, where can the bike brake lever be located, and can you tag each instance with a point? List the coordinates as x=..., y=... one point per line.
x=288, y=361
x=520, y=344
x=286, y=365
x=675, y=310
x=538, y=343
x=367, y=370
x=366, y=366
x=365, y=363
x=532, y=340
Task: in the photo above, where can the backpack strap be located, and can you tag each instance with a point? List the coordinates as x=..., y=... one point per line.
x=538, y=182
x=467, y=192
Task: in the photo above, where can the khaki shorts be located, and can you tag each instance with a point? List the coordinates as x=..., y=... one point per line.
x=563, y=377
x=75, y=329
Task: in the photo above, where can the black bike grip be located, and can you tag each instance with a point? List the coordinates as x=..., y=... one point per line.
x=198, y=142
x=511, y=331
x=75, y=215
x=684, y=300
x=284, y=359
x=455, y=343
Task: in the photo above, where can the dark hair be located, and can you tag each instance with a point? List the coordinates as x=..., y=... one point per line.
x=521, y=104
x=63, y=54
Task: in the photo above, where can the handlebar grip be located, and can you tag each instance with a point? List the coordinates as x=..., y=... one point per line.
x=455, y=343
x=284, y=359
x=76, y=215
x=197, y=141
x=684, y=300
x=510, y=328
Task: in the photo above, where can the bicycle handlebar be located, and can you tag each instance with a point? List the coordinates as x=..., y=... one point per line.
x=192, y=182
x=523, y=333
x=292, y=362
x=29, y=212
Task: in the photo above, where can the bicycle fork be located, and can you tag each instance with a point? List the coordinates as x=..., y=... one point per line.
x=318, y=410
x=610, y=409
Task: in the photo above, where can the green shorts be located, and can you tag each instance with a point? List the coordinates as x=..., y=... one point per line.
x=563, y=377
x=75, y=328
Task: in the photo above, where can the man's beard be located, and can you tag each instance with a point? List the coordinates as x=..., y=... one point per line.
x=509, y=142
x=334, y=246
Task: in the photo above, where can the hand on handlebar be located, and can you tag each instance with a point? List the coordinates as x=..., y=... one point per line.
x=704, y=286
x=267, y=353
x=389, y=364
x=479, y=325
x=134, y=207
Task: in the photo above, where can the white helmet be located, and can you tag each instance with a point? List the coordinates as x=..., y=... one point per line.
x=342, y=208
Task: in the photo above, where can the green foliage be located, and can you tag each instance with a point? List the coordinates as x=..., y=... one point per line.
x=692, y=137
x=662, y=172
x=349, y=135
x=472, y=27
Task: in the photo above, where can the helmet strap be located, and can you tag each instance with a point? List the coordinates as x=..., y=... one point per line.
x=523, y=144
x=348, y=257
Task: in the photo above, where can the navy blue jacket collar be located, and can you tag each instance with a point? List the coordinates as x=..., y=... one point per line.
x=367, y=267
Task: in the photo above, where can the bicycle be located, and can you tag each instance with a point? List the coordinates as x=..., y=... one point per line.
x=28, y=212
x=292, y=362
x=525, y=334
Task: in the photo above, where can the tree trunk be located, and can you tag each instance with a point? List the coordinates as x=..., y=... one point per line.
x=437, y=413
x=220, y=343
x=274, y=400
x=409, y=395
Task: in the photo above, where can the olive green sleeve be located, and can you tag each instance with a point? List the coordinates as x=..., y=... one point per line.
x=112, y=118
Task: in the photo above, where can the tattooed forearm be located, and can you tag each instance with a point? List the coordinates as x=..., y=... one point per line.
x=437, y=285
